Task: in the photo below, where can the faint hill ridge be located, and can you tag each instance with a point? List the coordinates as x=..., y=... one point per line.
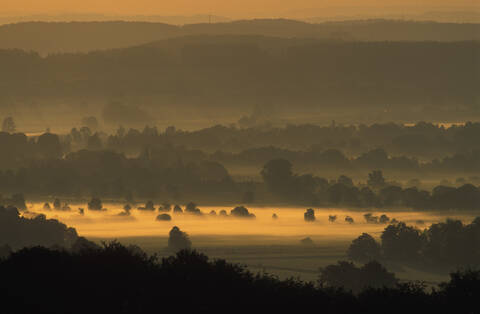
x=79, y=17
x=53, y=37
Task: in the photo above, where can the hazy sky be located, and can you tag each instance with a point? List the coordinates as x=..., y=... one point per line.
x=231, y=8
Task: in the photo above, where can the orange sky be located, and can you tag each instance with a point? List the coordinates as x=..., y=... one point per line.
x=231, y=8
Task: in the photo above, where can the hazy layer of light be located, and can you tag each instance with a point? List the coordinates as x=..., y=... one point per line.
x=232, y=8
x=290, y=224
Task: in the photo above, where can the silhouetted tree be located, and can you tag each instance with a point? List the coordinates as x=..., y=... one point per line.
x=383, y=219
x=401, y=242
x=95, y=204
x=369, y=218
x=177, y=209
x=309, y=215
x=241, y=212
x=57, y=204
x=149, y=206
x=364, y=249
x=178, y=240
x=164, y=217
x=49, y=145
x=192, y=208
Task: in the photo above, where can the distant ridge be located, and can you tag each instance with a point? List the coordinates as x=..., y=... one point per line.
x=167, y=19
x=54, y=37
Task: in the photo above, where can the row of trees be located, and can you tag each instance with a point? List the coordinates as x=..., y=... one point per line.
x=444, y=245
x=422, y=140
x=279, y=177
x=20, y=151
x=108, y=174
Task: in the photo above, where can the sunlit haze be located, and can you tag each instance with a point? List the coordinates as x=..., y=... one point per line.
x=233, y=8
x=190, y=155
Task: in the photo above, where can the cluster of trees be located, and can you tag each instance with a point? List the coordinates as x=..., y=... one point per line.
x=18, y=149
x=443, y=245
x=17, y=231
x=282, y=182
x=105, y=173
x=345, y=275
x=125, y=280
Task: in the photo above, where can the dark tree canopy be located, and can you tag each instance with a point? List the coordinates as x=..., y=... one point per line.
x=178, y=240
x=364, y=249
x=241, y=212
x=95, y=204
x=309, y=215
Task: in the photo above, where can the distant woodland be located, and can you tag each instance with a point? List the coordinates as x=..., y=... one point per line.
x=227, y=71
x=179, y=166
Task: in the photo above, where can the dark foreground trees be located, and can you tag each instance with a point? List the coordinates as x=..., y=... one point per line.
x=356, y=279
x=118, y=279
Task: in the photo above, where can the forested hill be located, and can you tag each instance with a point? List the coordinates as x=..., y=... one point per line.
x=51, y=37
x=230, y=70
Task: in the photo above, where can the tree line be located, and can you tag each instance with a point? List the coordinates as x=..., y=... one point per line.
x=422, y=140
x=217, y=144
x=445, y=245
x=280, y=179
x=167, y=175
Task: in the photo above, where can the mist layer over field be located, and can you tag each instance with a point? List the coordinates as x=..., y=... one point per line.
x=289, y=227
